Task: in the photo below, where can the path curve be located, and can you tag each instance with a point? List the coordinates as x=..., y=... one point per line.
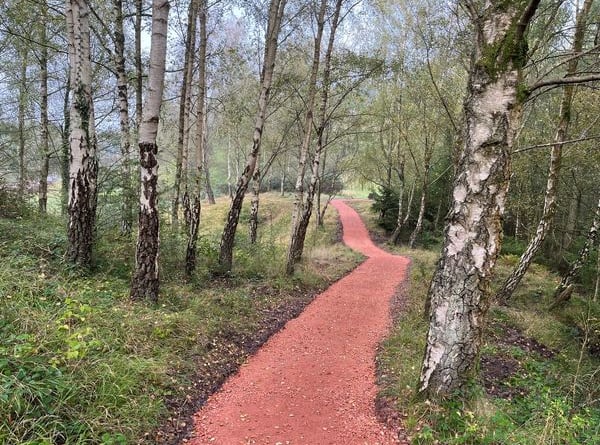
x=313, y=382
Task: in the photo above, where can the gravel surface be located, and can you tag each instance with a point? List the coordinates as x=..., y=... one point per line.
x=314, y=381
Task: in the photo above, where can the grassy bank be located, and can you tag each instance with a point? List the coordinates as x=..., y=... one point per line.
x=539, y=373
x=81, y=364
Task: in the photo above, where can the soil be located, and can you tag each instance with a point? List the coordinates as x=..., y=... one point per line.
x=498, y=368
x=314, y=381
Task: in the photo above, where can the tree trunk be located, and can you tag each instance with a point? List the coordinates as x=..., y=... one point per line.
x=254, y=205
x=21, y=120
x=139, y=72
x=210, y=194
x=276, y=10
x=185, y=104
x=127, y=202
x=145, y=282
x=65, y=149
x=583, y=255
x=551, y=195
x=44, y=127
x=300, y=207
x=572, y=217
x=459, y=289
x=190, y=256
x=419, y=226
x=83, y=167
x=597, y=288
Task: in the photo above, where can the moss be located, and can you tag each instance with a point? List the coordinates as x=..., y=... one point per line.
x=510, y=51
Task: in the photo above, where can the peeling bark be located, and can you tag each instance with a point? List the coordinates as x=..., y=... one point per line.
x=145, y=281
x=83, y=165
x=190, y=256
x=460, y=285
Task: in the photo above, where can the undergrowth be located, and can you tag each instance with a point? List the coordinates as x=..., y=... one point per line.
x=539, y=378
x=542, y=382
x=81, y=364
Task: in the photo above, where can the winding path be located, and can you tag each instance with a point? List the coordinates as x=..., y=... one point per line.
x=313, y=383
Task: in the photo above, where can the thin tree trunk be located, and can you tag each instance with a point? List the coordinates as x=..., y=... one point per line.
x=210, y=194
x=276, y=10
x=44, y=127
x=572, y=217
x=21, y=119
x=458, y=293
x=395, y=238
x=65, y=149
x=319, y=192
x=190, y=256
x=551, y=195
x=254, y=205
x=83, y=167
x=185, y=104
x=127, y=202
x=229, y=188
x=597, y=288
x=139, y=72
x=583, y=255
x=145, y=282
x=296, y=244
x=419, y=226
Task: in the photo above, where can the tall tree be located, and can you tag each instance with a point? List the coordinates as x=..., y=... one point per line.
x=185, y=105
x=123, y=98
x=195, y=209
x=83, y=167
x=23, y=53
x=551, y=195
x=294, y=251
x=276, y=11
x=145, y=282
x=458, y=292
x=305, y=205
x=44, y=125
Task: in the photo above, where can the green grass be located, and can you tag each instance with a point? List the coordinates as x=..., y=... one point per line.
x=552, y=400
x=81, y=364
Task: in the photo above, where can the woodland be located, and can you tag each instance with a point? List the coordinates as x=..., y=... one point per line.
x=166, y=174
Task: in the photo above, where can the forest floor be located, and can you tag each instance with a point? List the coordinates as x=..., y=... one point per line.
x=315, y=380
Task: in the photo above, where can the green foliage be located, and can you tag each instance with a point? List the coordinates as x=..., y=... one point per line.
x=553, y=400
x=386, y=206
x=79, y=363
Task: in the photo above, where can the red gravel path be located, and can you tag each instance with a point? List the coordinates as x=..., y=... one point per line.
x=314, y=382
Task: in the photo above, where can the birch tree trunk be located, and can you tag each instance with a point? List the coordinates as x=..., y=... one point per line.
x=276, y=10
x=185, y=105
x=65, y=149
x=300, y=225
x=459, y=289
x=44, y=127
x=83, y=167
x=190, y=255
x=254, y=205
x=21, y=119
x=123, y=97
x=424, y=187
x=139, y=72
x=145, y=282
x=551, y=194
x=584, y=253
